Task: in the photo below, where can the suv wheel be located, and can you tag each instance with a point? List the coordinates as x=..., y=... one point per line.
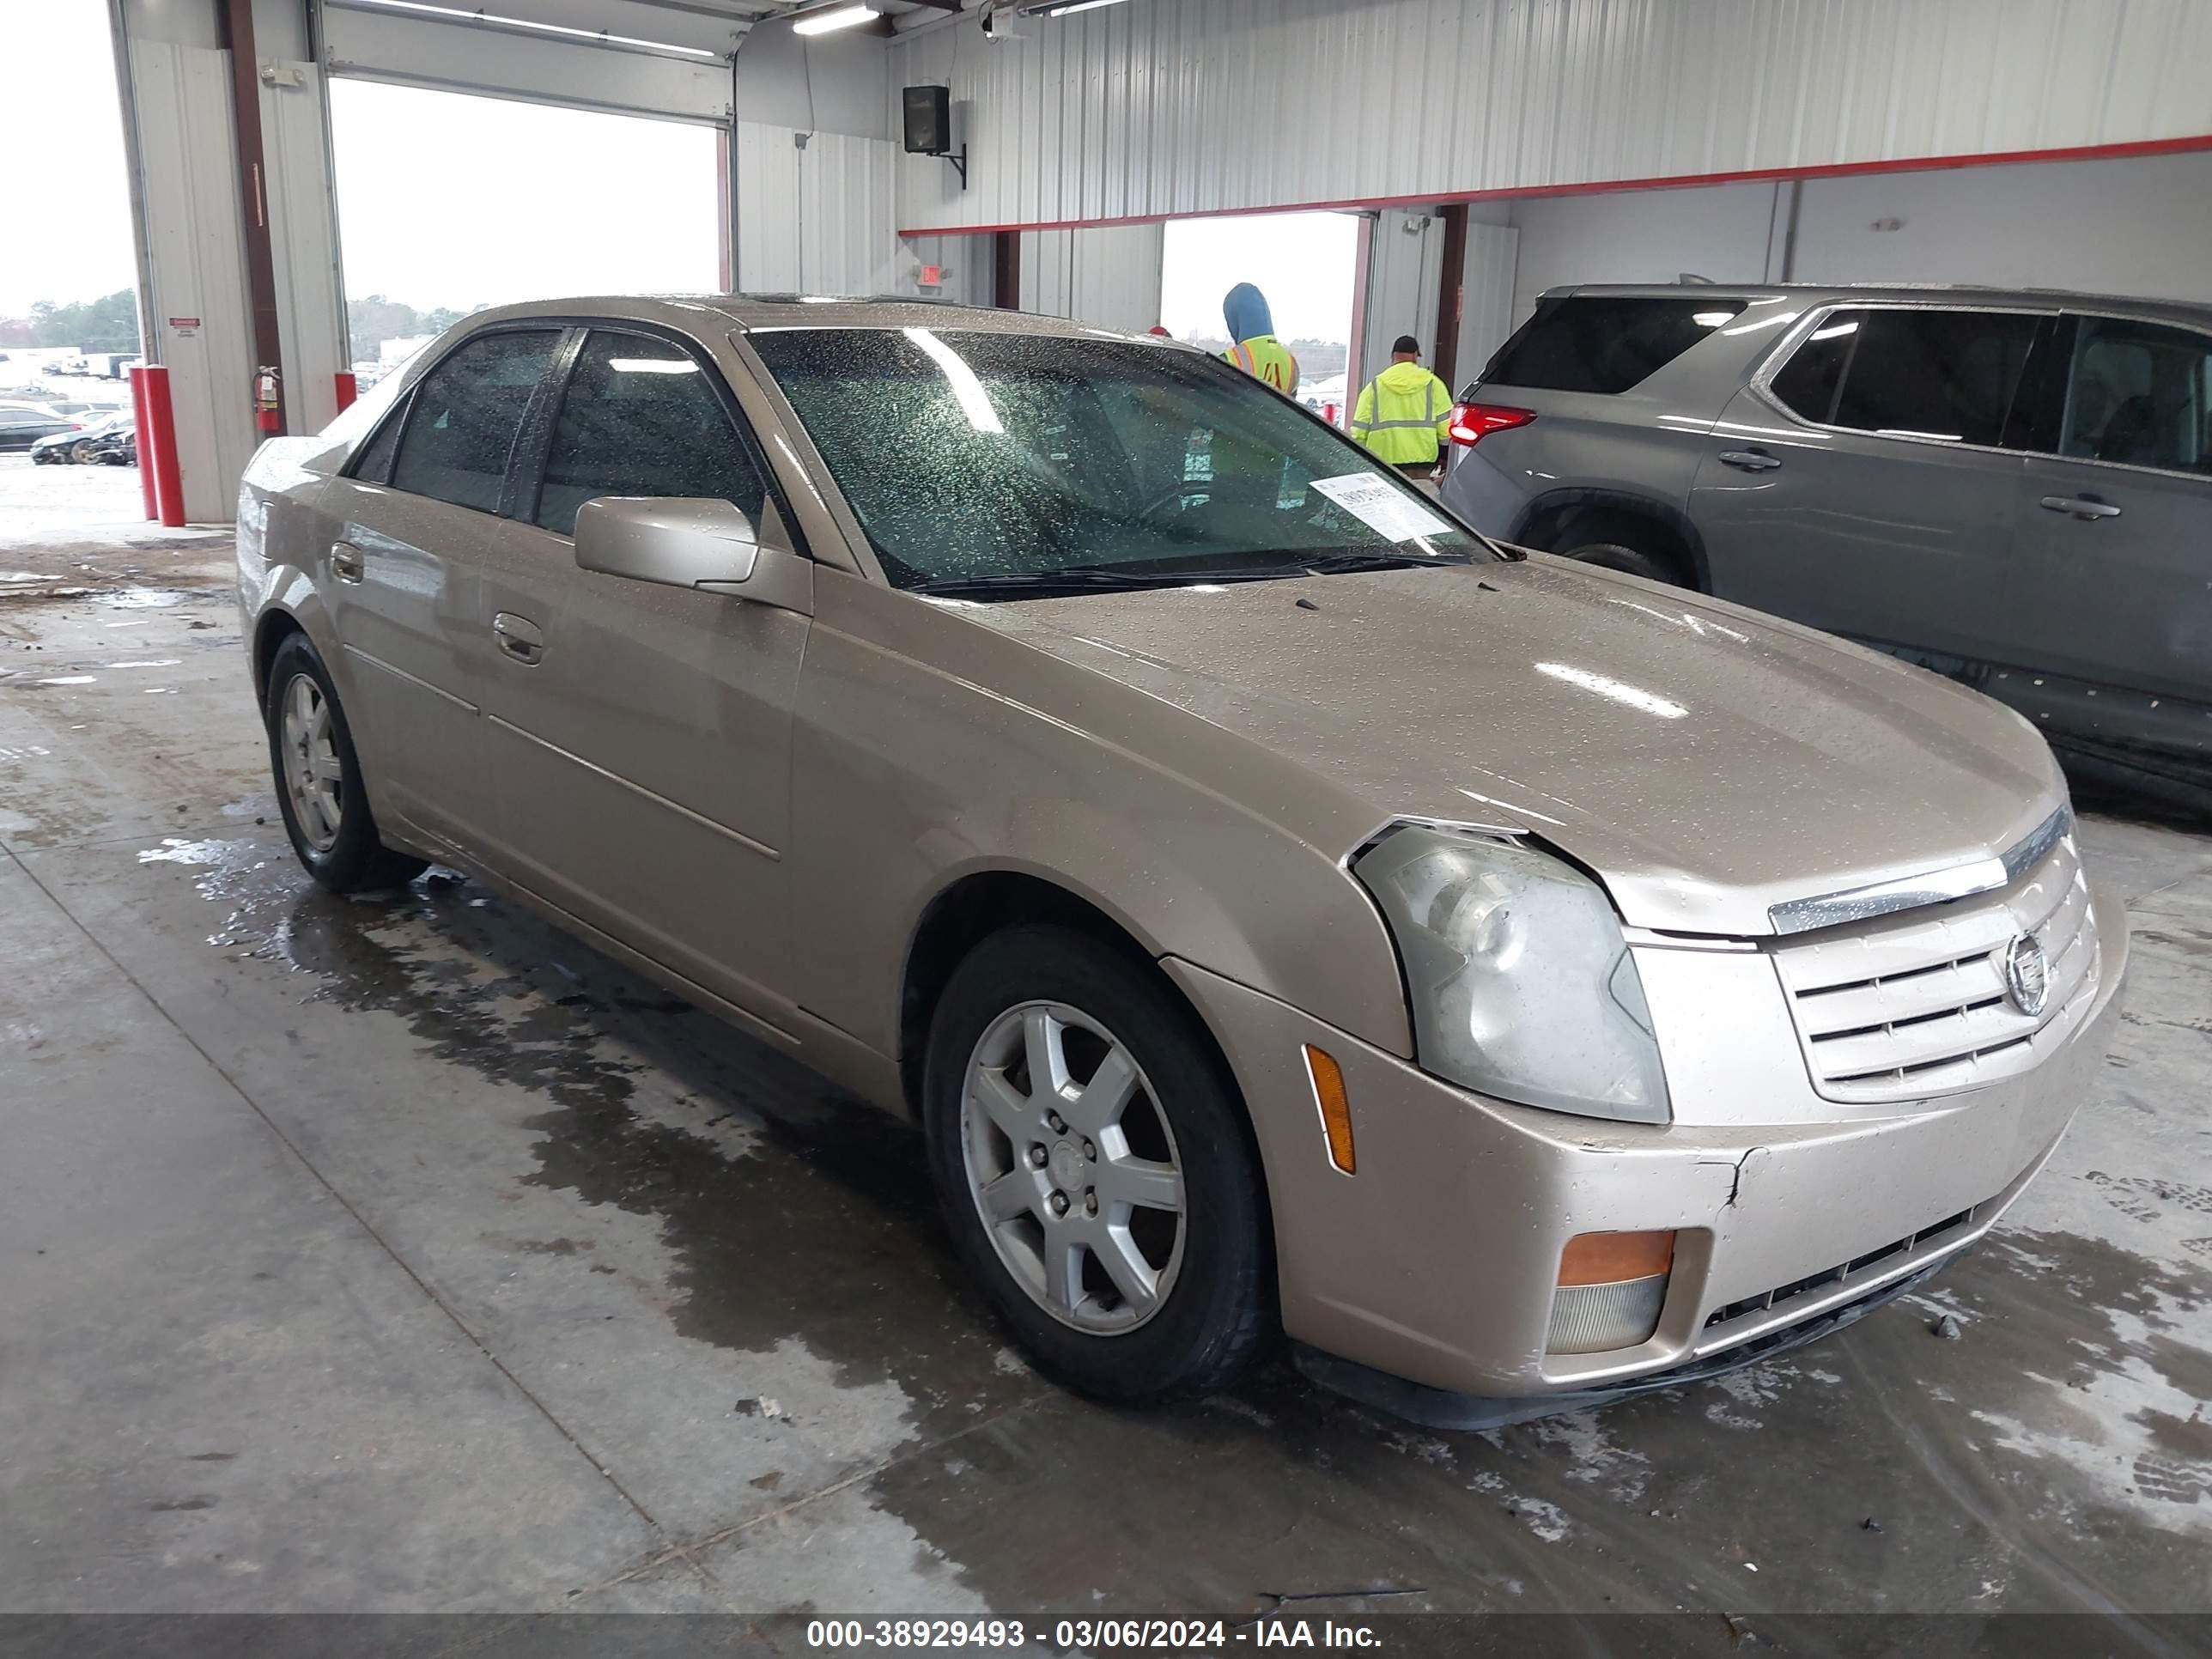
x=1095, y=1169
x=1620, y=555
x=319, y=779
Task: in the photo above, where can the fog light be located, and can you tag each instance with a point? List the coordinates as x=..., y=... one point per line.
x=1611, y=1288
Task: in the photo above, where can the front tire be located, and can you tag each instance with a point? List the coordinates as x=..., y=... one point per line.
x=318, y=775
x=1095, y=1168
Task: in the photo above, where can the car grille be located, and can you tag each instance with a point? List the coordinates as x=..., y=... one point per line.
x=1914, y=1005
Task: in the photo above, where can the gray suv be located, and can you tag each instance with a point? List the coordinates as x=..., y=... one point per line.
x=2013, y=488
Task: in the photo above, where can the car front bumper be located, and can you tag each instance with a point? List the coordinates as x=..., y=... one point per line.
x=1437, y=1260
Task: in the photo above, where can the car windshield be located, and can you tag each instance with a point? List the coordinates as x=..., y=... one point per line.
x=980, y=460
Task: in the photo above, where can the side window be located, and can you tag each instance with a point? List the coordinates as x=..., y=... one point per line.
x=639, y=418
x=1605, y=342
x=2139, y=394
x=461, y=420
x=1925, y=373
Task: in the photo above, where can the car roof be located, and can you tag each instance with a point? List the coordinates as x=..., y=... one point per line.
x=2042, y=299
x=752, y=312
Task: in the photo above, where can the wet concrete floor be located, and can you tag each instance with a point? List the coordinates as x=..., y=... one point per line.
x=408, y=1255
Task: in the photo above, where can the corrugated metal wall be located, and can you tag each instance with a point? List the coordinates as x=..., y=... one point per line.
x=1109, y=278
x=1168, y=107
x=199, y=322
x=813, y=219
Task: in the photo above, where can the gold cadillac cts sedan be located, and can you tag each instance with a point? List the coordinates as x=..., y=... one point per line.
x=1282, y=908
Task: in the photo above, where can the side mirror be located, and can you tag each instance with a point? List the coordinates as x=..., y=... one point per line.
x=675, y=541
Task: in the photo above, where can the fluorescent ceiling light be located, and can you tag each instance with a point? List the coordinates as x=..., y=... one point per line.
x=975, y=402
x=1070, y=7
x=497, y=19
x=821, y=22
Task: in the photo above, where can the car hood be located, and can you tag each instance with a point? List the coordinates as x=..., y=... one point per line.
x=1707, y=762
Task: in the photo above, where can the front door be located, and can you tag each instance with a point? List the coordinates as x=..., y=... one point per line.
x=412, y=525
x=640, y=734
x=1863, y=486
x=2114, y=587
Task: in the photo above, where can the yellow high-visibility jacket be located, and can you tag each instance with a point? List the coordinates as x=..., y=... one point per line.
x=1404, y=416
x=1266, y=358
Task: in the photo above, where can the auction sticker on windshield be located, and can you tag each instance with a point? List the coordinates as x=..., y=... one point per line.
x=1381, y=506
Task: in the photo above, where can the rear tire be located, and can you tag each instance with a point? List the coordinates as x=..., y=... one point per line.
x=318, y=777
x=1618, y=555
x=1145, y=1301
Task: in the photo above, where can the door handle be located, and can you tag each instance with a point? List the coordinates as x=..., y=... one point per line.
x=1748, y=460
x=346, y=563
x=518, y=636
x=2081, y=506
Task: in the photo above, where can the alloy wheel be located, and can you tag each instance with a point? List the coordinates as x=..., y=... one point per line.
x=1072, y=1168
x=312, y=774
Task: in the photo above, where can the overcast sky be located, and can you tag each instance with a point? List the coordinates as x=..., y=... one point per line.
x=1302, y=262
x=64, y=199
x=446, y=200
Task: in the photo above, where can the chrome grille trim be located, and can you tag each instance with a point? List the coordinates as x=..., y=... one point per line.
x=1886, y=898
x=1906, y=1007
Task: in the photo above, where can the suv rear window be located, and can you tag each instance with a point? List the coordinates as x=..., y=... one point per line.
x=1925, y=373
x=1604, y=342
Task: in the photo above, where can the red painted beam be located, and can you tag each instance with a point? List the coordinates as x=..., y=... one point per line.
x=2194, y=142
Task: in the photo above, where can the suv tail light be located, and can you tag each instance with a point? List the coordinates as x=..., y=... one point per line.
x=1471, y=423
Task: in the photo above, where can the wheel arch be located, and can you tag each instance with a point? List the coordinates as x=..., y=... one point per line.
x=270, y=629
x=969, y=909
x=1558, y=514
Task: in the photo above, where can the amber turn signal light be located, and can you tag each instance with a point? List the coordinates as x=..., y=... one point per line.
x=1610, y=1258
x=1327, y=1079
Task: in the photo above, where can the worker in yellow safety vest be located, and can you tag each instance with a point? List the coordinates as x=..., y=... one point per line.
x=1257, y=351
x=1404, y=416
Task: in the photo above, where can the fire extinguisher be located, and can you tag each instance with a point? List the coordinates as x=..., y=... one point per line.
x=264, y=398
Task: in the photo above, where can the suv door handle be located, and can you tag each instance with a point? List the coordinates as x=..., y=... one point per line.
x=1748, y=460
x=346, y=563
x=2081, y=506
x=518, y=636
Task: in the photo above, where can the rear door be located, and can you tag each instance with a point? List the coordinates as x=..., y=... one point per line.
x=2114, y=561
x=1861, y=482
x=414, y=519
x=640, y=734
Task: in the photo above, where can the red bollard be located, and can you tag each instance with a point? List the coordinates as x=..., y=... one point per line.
x=158, y=453
x=347, y=391
x=145, y=450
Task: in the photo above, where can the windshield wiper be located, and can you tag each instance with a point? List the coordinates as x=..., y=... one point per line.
x=1332, y=565
x=1075, y=578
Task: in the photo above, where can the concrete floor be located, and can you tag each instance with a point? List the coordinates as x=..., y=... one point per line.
x=409, y=1255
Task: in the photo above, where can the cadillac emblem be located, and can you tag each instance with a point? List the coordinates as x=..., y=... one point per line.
x=2027, y=975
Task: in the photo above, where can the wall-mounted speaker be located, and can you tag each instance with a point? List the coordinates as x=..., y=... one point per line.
x=928, y=120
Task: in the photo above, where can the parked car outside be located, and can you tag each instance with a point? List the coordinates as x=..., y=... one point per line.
x=83, y=444
x=23, y=425
x=2012, y=487
x=1278, y=906
x=118, y=448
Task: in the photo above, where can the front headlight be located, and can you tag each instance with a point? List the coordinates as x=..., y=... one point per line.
x=1522, y=986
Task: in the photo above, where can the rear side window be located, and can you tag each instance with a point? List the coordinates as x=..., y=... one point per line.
x=2140, y=394
x=1603, y=343
x=639, y=418
x=1922, y=373
x=462, y=421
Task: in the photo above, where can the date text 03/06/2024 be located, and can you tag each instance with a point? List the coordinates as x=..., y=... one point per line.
x=1087, y=1635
